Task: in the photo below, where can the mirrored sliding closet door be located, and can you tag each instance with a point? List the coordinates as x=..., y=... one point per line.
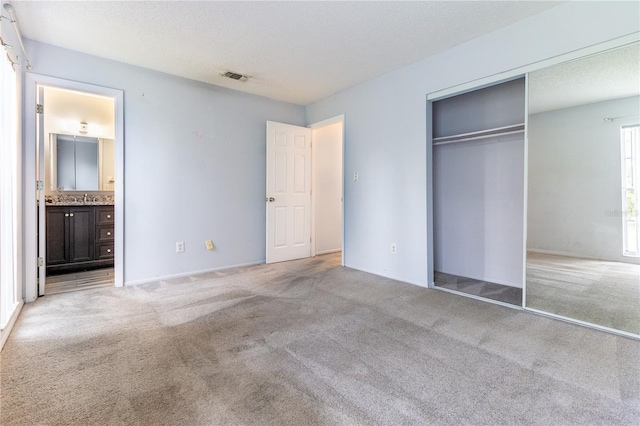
x=583, y=237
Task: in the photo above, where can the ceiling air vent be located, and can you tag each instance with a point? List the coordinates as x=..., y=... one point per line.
x=235, y=76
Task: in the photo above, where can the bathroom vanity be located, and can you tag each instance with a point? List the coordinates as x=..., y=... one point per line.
x=79, y=237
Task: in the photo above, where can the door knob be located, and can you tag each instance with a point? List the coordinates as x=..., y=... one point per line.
x=270, y=199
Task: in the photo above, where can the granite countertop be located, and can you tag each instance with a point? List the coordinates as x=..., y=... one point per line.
x=79, y=200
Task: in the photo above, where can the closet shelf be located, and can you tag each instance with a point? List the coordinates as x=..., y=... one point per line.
x=481, y=134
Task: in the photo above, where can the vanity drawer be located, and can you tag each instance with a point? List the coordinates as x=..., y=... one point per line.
x=104, y=251
x=104, y=214
x=104, y=233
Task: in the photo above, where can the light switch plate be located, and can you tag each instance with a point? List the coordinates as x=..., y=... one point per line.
x=209, y=244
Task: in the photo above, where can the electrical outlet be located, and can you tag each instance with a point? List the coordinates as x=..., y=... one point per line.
x=355, y=176
x=209, y=244
x=179, y=246
x=394, y=248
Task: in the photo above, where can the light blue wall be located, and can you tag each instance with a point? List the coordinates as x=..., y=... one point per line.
x=194, y=164
x=385, y=127
x=575, y=179
x=195, y=159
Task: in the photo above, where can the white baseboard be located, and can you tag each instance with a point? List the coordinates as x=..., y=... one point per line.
x=385, y=275
x=186, y=274
x=623, y=259
x=562, y=253
x=6, y=331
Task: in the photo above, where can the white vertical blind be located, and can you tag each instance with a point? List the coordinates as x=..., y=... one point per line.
x=9, y=294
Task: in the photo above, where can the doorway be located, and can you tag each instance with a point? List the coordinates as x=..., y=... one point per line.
x=39, y=169
x=78, y=183
x=326, y=187
x=309, y=220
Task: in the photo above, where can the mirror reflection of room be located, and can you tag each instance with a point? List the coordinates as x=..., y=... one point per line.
x=79, y=170
x=583, y=186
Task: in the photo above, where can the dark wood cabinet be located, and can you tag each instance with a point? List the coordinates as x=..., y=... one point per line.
x=79, y=238
x=104, y=238
x=81, y=234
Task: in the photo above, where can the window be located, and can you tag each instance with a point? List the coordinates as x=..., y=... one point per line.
x=9, y=290
x=630, y=138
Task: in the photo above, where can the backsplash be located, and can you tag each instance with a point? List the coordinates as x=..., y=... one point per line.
x=79, y=200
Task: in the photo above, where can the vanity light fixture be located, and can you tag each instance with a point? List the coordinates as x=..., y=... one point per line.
x=73, y=127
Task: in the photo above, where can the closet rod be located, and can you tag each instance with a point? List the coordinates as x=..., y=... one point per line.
x=473, y=138
x=480, y=134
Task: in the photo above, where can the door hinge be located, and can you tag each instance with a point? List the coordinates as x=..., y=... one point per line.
x=40, y=261
x=39, y=109
x=39, y=185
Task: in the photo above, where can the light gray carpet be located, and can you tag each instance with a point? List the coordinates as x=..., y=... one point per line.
x=302, y=343
x=595, y=291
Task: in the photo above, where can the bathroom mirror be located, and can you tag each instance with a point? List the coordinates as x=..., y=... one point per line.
x=583, y=238
x=81, y=163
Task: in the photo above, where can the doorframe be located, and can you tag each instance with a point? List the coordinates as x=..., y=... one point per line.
x=30, y=150
x=317, y=125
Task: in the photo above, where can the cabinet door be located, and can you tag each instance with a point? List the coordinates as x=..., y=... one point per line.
x=81, y=234
x=57, y=237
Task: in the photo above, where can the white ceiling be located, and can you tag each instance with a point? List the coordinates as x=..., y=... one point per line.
x=298, y=52
x=610, y=75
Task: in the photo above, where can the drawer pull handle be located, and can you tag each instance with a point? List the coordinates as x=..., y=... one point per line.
x=108, y=250
x=108, y=216
x=71, y=214
x=66, y=215
x=108, y=233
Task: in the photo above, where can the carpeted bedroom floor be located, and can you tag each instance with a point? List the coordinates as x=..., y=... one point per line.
x=595, y=291
x=302, y=343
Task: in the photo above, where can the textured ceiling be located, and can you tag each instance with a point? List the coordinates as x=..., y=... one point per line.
x=610, y=75
x=294, y=51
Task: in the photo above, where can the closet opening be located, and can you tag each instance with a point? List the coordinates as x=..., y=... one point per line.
x=478, y=192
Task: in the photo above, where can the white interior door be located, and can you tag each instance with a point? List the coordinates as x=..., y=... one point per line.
x=288, y=197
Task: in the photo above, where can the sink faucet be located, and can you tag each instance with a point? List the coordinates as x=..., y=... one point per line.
x=85, y=198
